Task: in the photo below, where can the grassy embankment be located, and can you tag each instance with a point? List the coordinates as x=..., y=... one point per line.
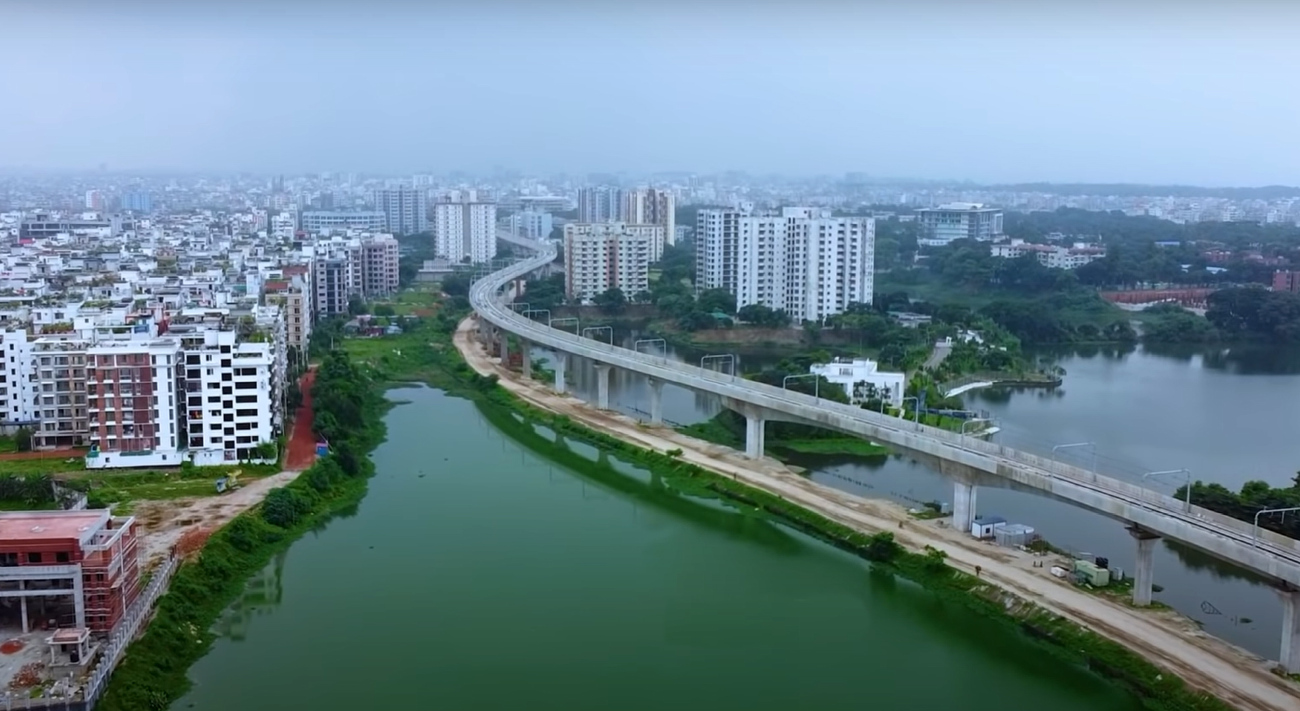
x=154, y=672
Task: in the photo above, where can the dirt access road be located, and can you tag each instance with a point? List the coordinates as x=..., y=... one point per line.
x=162, y=523
x=1166, y=638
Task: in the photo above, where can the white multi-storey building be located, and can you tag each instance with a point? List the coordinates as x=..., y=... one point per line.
x=1051, y=256
x=317, y=221
x=599, y=257
x=532, y=224
x=465, y=230
x=648, y=206
x=16, y=391
x=365, y=266
x=958, y=220
x=803, y=261
x=406, y=209
x=232, y=401
x=600, y=204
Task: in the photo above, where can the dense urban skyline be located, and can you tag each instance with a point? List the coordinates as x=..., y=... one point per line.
x=1000, y=94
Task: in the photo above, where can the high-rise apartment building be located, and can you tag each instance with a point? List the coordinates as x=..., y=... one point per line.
x=95, y=200
x=958, y=220
x=532, y=224
x=600, y=204
x=135, y=402
x=379, y=261
x=405, y=209
x=58, y=373
x=648, y=206
x=599, y=257
x=803, y=261
x=232, y=397
x=332, y=278
x=16, y=385
x=465, y=230
x=137, y=201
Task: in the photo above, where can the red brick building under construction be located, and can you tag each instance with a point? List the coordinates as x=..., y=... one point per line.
x=67, y=569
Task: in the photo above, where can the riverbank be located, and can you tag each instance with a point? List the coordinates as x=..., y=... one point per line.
x=154, y=671
x=1173, y=643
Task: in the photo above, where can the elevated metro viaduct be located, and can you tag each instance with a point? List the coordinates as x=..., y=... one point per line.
x=1147, y=514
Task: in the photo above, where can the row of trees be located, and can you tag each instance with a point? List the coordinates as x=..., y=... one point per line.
x=1255, y=312
x=1255, y=496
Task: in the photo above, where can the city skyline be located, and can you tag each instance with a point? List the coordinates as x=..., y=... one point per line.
x=1101, y=94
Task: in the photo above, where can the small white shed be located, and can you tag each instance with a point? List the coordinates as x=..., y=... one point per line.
x=984, y=526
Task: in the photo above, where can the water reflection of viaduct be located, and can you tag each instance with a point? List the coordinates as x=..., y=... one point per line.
x=968, y=462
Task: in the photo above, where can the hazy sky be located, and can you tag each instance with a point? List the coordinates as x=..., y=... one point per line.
x=1185, y=92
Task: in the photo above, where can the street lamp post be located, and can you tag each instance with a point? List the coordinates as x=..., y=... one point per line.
x=1185, y=472
x=529, y=314
x=971, y=420
x=721, y=358
x=1284, y=512
x=663, y=345
x=1093, y=445
x=553, y=323
x=916, y=411
x=817, y=382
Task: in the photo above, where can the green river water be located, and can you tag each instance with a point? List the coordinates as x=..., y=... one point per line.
x=478, y=575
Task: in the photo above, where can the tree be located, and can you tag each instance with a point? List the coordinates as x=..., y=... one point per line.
x=763, y=316
x=717, y=300
x=356, y=305
x=23, y=439
x=611, y=300
x=383, y=310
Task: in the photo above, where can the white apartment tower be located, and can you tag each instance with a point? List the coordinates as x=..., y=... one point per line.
x=465, y=230
x=232, y=401
x=599, y=257
x=648, y=206
x=600, y=204
x=804, y=261
x=16, y=386
x=405, y=209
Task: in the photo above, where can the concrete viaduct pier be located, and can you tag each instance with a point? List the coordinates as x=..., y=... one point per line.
x=1149, y=515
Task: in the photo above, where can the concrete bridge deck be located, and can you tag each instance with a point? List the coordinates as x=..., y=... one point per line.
x=1149, y=514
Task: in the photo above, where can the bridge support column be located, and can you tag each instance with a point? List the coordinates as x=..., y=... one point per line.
x=1144, y=574
x=755, y=424
x=602, y=385
x=754, y=434
x=1290, y=656
x=656, y=401
x=503, y=342
x=963, y=505
x=561, y=369
x=525, y=348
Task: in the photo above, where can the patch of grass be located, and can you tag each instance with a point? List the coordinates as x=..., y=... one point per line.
x=832, y=445
x=57, y=465
x=123, y=487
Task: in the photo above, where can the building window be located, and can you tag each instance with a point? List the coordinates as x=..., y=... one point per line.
x=61, y=557
x=33, y=557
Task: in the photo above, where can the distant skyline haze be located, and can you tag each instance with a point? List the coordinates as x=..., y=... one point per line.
x=1195, y=93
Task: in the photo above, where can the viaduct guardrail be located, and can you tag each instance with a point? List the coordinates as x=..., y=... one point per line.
x=1259, y=550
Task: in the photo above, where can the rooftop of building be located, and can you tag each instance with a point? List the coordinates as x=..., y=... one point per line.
x=20, y=526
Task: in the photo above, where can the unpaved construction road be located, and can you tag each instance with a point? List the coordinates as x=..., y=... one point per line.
x=1163, y=636
x=162, y=523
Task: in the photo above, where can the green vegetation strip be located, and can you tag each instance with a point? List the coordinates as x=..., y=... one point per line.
x=153, y=673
